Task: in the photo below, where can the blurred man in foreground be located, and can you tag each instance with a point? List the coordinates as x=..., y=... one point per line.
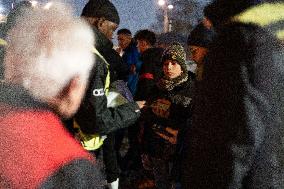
x=236, y=136
x=47, y=63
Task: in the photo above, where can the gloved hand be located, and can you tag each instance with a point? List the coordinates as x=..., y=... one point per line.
x=161, y=108
x=147, y=164
x=171, y=137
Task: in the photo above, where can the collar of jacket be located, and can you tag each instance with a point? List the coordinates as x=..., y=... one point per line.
x=152, y=53
x=168, y=84
x=102, y=42
x=17, y=96
x=266, y=15
x=131, y=46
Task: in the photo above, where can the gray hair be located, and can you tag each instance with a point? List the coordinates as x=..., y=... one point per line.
x=46, y=49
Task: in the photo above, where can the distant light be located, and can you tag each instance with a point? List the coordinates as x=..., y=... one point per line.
x=161, y=2
x=2, y=18
x=34, y=3
x=2, y=9
x=170, y=6
x=48, y=5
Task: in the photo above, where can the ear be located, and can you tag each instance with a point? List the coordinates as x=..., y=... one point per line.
x=69, y=88
x=101, y=21
x=64, y=102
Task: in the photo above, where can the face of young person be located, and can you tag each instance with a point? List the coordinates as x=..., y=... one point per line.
x=207, y=23
x=107, y=28
x=142, y=45
x=198, y=54
x=124, y=40
x=172, y=69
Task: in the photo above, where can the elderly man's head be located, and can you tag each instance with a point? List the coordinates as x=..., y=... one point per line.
x=49, y=54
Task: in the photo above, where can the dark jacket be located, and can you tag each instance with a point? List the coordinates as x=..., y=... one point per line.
x=131, y=57
x=93, y=115
x=236, y=137
x=37, y=152
x=174, y=109
x=150, y=73
x=119, y=71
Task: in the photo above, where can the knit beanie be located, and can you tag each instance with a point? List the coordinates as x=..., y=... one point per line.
x=101, y=8
x=175, y=52
x=200, y=36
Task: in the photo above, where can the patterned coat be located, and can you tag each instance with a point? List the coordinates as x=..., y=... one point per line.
x=167, y=109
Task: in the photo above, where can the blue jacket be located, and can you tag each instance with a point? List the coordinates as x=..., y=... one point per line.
x=131, y=57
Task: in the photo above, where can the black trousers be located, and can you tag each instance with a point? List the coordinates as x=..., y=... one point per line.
x=132, y=159
x=110, y=159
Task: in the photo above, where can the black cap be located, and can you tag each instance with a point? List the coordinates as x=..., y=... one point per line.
x=200, y=36
x=101, y=8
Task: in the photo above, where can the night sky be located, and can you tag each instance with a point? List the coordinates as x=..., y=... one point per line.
x=134, y=14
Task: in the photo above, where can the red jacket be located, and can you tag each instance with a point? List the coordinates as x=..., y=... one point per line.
x=36, y=150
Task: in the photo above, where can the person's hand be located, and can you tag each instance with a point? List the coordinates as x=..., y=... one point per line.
x=146, y=162
x=141, y=104
x=161, y=108
x=118, y=50
x=172, y=139
x=132, y=69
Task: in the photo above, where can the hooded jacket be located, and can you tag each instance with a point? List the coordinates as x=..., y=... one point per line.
x=236, y=137
x=118, y=69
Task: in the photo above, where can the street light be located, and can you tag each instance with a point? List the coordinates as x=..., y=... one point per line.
x=34, y=3
x=48, y=5
x=161, y=2
x=170, y=7
x=166, y=7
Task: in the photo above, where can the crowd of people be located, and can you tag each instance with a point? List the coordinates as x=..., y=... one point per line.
x=68, y=99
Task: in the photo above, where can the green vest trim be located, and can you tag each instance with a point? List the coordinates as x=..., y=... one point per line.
x=264, y=15
x=3, y=42
x=88, y=141
x=107, y=84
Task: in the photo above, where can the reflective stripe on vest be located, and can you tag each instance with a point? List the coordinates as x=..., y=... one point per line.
x=3, y=42
x=264, y=15
x=89, y=142
x=107, y=82
x=93, y=141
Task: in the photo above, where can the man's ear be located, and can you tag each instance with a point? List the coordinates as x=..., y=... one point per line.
x=68, y=89
x=64, y=101
x=101, y=21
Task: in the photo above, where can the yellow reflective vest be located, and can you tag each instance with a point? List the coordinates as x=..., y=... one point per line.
x=93, y=141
